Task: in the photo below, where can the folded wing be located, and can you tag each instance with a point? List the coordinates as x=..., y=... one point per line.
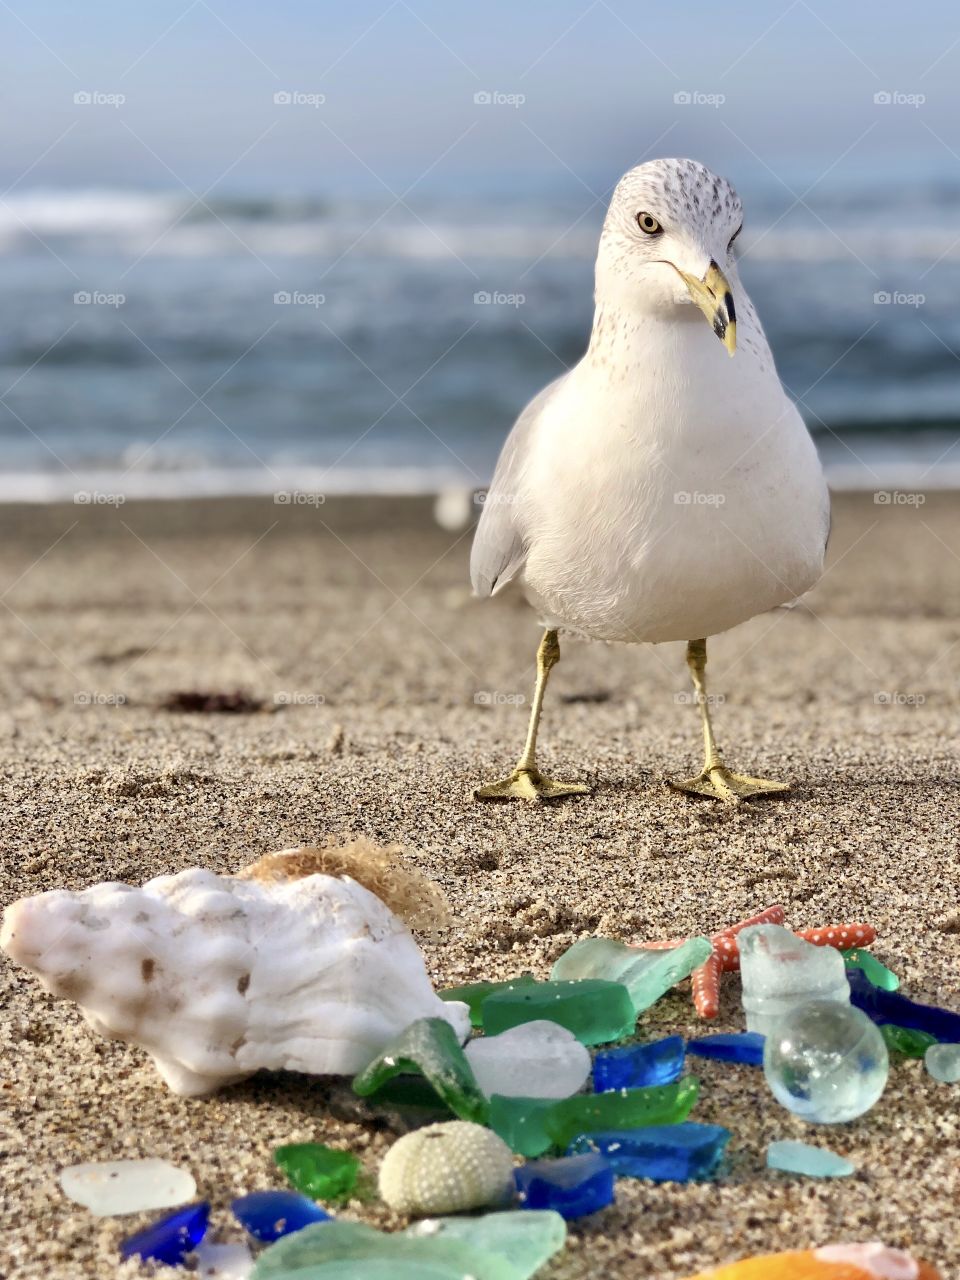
x=499, y=546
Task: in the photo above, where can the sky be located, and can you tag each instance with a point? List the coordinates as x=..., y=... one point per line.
x=383, y=93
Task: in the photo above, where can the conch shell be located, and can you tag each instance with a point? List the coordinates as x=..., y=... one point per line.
x=217, y=977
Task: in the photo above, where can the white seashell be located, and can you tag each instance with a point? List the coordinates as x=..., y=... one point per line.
x=447, y=1168
x=218, y=977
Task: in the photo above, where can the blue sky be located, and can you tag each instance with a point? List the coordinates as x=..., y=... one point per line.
x=797, y=80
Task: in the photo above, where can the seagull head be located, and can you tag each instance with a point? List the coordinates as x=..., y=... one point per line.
x=667, y=242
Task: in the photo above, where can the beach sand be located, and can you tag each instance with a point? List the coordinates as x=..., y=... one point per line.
x=388, y=694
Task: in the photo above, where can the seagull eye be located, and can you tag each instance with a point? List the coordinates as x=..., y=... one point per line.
x=648, y=224
x=734, y=236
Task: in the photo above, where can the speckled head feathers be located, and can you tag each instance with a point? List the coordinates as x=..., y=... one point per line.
x=667, y=220
x=682, y=195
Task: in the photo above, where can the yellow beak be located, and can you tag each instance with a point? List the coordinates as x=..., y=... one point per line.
x=713, y=296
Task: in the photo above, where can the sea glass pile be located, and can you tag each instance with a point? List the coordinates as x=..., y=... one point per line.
x=578, y=1120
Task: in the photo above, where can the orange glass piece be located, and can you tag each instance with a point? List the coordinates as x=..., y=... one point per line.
x=806, y=1265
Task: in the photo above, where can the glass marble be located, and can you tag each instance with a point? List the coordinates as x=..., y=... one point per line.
x=320, y=1172
x=637, y=1065
x=572, y=1186
x=826, y=1062
x=943, y=1062
x=429, y=1046
x=169, y=1239
x=268, y=1215
x=594, y=1010
x=663, y=1153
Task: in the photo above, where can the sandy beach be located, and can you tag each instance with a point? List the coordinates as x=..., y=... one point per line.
x=381, y=694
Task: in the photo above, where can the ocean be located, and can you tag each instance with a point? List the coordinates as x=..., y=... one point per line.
x=155, y=347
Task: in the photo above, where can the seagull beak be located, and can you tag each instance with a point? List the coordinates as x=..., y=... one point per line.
x=713, y=296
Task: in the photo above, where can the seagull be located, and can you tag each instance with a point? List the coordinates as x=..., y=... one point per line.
x=659, y=490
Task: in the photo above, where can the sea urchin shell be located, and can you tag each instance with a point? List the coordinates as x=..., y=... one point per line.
x=447, y=1168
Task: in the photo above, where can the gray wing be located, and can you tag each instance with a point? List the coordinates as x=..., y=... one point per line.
x=499, y=547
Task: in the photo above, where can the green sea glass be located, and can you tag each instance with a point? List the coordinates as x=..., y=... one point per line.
x=495, y=1246
x=647, y=975
x=595, y=1011
x=318, y=1171
x=429, y=1046
x=520, y=1123
x=905, y=1041
x=412, y=1094
x=531, y=1126
x=621, y=1109
x=876, y=973
x=474, y=994
x=527, y=1239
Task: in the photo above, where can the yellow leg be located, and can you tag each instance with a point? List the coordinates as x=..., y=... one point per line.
x=715, y=779
x=527, y=782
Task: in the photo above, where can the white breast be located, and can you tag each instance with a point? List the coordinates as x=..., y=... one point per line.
x=671, y=493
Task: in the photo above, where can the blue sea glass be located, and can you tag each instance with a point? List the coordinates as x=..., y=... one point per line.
x=637, y=1065
x=268, y=1215
x=745, y=1046
x=889, y=1006
x=169, y=1239
x=664, y=1153
x=572, y=1186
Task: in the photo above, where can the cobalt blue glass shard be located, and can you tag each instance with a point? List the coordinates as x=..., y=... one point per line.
x=572, y=1186
x=637, y=1065
x=169, y=1239
x=744, y=1046
x=889, y=1006
x=268, y=1215
x=664, y=1153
